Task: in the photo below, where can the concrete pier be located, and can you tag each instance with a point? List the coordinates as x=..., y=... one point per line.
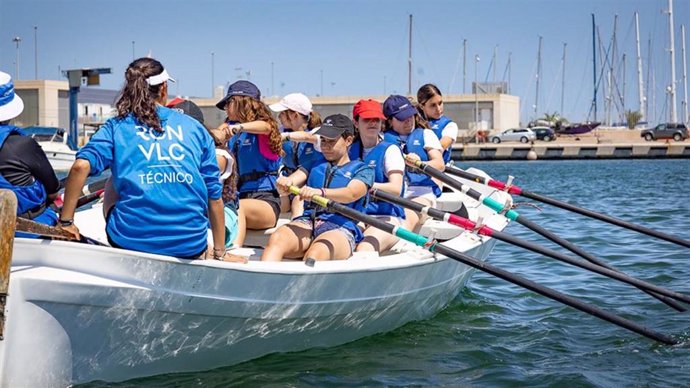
x=601, y=144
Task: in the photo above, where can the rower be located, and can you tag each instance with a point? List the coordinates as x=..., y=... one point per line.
x=320, y=234
x=407, y=129
x=24, y=167
x=389, y=166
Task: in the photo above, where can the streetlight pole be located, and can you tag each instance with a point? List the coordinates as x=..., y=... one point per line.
x=132, y=51
x=476, y=100
x=213, y=82
x=35, y=52
x=273, y=91
x=16, y=40
x=322, y=83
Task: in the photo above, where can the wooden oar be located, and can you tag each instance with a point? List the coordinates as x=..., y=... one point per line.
x=564, y=205
x=8, y=215
x=515, y=216
x=43, y=230
x=434, y=246
x=467, y=224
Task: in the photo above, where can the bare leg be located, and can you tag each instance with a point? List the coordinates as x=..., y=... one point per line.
x=289, y=241
x=414, y=220
x=241, y=228
x=258, y=214
x=376, y=240
x=297, y=207
x=332, y=245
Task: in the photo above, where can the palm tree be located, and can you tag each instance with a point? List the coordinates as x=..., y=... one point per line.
x=633, y=117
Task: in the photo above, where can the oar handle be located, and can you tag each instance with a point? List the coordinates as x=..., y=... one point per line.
x=354, y=214
x=452, y=170
x=454, y=183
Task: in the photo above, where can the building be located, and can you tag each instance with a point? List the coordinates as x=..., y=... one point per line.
x=496, y=111
x=47, y=104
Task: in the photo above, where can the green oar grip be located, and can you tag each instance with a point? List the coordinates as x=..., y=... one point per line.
x=498, y=208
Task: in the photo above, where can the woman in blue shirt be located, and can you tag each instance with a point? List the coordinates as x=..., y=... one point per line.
x=253, y=138
x=320, y=234
x=298, y=120
x=389, y=166
x=409, y=130
x=164, y=172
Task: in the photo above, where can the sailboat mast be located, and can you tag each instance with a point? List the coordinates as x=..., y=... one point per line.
x=594, y=68
x=685, y=75
x=536, y=97
x=409, y=62
x=563, y=78
x=464, y=64
x=611, y=74
x=672, y=87
x=621, y=114
x=640, y=86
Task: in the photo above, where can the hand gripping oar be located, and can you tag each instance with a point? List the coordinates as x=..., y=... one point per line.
x=434, y=246
x=513, y=215
x=33, y=227
x=487, y=231
x=563, y=205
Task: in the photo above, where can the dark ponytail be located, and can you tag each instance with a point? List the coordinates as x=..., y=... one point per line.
x=137, y=96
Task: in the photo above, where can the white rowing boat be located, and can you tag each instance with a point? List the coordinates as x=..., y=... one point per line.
x=78, y=313
x=54, y=143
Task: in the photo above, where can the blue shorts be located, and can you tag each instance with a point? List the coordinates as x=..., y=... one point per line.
x=321, y=227
x=231, y=225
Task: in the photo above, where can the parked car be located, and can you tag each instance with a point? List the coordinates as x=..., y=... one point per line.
x=675, y=131
x=544, y=133
x=523, y=135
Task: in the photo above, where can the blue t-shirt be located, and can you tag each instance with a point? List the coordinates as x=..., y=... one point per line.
x=164, y=180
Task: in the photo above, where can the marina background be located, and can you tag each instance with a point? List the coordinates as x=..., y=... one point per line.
x=499, y=335
x=353, y=48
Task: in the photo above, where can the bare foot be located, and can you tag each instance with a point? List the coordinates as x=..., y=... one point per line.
x=234, y=258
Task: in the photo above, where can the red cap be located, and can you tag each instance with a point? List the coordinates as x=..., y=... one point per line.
x=368, y=109
x=174, y=102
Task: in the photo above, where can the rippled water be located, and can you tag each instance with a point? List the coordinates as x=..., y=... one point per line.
x=497, y=334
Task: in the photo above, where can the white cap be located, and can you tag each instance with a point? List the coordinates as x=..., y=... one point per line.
x=11, y=105
x=160, y=78
x=293, y=101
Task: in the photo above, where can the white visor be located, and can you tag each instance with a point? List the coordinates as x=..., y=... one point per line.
x=159, y=79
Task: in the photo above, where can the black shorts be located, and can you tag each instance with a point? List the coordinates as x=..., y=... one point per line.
x=270, y=197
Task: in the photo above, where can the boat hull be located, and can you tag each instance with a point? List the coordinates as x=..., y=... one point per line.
x=106, y=314
x=59, y=155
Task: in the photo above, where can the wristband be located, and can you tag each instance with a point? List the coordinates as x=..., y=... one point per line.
x=323, y=193
x=66, y=222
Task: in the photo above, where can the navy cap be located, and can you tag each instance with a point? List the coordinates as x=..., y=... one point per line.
x=240, y=88
x=399, y=107
x=334, y=126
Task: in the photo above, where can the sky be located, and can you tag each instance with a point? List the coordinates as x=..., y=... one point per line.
x=354, y=47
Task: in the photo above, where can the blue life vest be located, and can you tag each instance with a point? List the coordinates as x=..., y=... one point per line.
x=300, y=154
x=31, y=199
x=437, y=126
x=375, y=159
x=326, y=176
x=256, y=173
x=413, y=145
